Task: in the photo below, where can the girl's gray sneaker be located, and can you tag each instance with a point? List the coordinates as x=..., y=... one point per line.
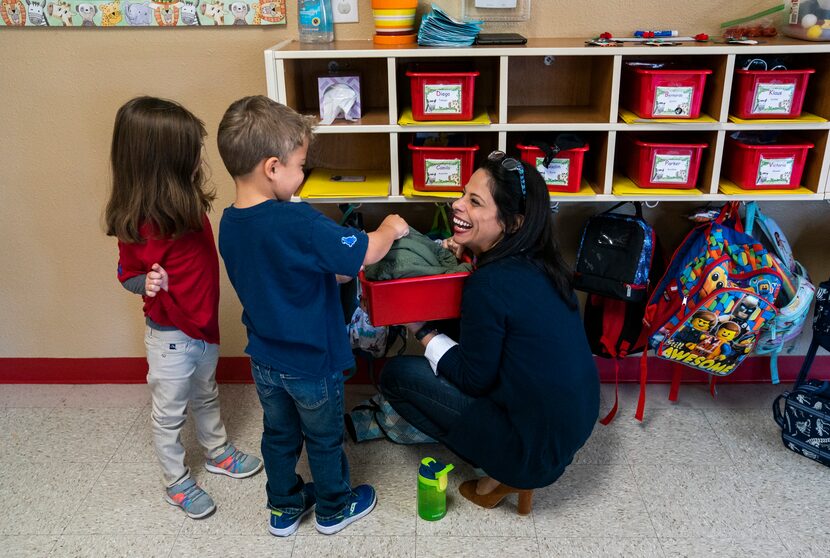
x=234, y=463
x=190, y=497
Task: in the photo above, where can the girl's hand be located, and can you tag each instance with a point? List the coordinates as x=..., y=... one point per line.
x=453, y=247
x=156, y=280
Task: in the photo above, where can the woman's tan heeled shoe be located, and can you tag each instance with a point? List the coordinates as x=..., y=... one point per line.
x=494, y=498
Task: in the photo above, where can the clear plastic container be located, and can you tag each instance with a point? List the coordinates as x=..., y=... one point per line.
x=316, y=21
x=808, y=20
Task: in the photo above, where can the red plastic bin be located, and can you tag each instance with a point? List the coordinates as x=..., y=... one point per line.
x=564, y=173
x=441, y=169
x=769, y=94
x=442, y=95
x=652, y=164
x=666, y=93
x=765, y=167
x=415, y=299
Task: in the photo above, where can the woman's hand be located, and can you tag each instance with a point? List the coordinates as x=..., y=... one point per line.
x=414, y=327
x=453, y=247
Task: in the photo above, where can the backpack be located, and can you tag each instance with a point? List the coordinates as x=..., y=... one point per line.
x=614, y=325
x=375, y=418
x=805, y=419
x=367, y=341
x=615, y=255
x=715, y=297
x=796, y=295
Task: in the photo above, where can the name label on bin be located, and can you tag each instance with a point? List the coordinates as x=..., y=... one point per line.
x=672, y=101
x=671, y=169
x=442, y=172
x=773, y=98
x=442, y=99
x=556, y=173
x=772, y=172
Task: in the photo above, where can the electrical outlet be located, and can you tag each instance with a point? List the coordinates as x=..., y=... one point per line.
x=345, y=11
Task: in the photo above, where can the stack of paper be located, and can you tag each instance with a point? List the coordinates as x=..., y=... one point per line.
x=439, y=29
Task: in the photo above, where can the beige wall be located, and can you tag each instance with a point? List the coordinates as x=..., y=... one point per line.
x=59, y=90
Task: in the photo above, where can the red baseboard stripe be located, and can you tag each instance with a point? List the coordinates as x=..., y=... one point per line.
x=237, y=370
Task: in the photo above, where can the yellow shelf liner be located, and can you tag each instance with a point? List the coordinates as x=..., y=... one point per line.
x=730, y=188
x=805, y=117
x=320, y=185
x=480, y=118
x=631, y=118
x=409, y=191
x=624, y=186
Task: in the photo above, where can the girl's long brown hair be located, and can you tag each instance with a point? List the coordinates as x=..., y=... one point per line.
x=157, y=174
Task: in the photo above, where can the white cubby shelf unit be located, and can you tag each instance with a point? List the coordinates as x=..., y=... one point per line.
x=546, y=87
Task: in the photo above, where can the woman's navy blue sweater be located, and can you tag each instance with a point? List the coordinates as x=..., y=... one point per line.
x=523, y=355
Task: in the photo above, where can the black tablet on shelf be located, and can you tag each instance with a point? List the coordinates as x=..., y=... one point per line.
x=500, y=39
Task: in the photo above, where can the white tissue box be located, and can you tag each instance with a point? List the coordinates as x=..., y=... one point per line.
x=331, y=90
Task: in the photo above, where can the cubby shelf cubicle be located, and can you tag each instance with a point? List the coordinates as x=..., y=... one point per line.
x=548, y=85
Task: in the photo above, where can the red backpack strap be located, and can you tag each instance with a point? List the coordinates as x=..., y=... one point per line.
x=641, y=402
x=730, y=215
x=613, y=319
x=677, y=375
x=613, y=412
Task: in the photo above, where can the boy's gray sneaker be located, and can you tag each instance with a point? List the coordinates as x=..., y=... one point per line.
x=234, y=463
x=190, y=497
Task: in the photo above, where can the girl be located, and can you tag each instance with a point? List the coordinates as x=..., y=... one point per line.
x=158, y=211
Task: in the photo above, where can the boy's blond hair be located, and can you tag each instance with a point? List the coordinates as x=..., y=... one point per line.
x=255, y=128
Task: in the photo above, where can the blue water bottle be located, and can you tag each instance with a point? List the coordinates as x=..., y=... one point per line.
x=432, y=489
x=316, y=21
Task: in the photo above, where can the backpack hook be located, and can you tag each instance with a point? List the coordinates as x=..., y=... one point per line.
x=554, y=207
x=648, y=204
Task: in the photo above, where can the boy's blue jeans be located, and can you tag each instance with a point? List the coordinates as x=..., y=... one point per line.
x=296, y=409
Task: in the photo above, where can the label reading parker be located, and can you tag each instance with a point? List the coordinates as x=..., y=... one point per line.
x=556, y=173
x=773, y=172
x=672, y=101
x=671, y=169
x=442, y=99
x=773, y=98
x=442, y=172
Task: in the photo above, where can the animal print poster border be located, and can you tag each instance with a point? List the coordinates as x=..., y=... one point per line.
x=140, y=13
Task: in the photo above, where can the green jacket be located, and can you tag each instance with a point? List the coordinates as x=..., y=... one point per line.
x=414, y=255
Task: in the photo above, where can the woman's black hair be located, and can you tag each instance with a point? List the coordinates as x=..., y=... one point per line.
x=527, y=224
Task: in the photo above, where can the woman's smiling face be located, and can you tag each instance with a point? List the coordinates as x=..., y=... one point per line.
x=476, y=225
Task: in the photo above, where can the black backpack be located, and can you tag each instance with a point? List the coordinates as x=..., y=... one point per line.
x=805, y=418
x=615, y=255
x=618, y=260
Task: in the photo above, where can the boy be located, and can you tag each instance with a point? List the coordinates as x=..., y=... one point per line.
x=282, y=258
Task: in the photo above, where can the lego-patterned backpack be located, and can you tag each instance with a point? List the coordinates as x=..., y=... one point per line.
x=796, y=295
x=715, y=297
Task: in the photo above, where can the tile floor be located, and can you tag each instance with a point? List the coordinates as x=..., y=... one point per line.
x=703, y=477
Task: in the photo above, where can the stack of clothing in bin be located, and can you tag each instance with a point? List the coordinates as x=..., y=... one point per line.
x=415, y=255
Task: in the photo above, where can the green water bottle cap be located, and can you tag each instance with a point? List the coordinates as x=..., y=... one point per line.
x=434, y=472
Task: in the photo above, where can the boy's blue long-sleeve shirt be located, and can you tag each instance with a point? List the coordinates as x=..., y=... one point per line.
x=281, y=258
